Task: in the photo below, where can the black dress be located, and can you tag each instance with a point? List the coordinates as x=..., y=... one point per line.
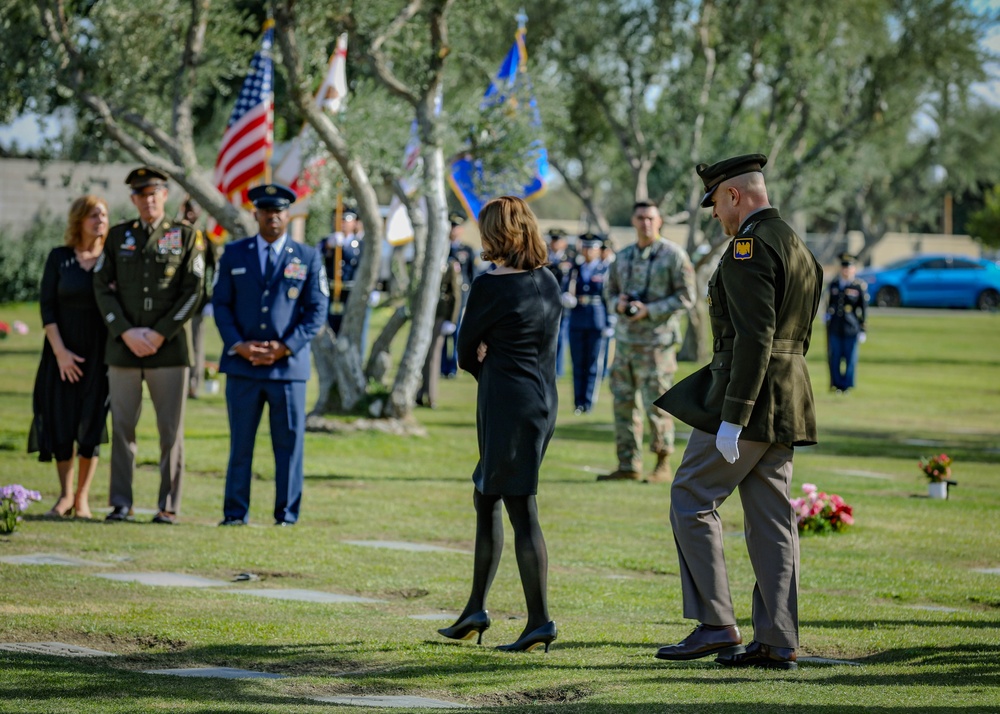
x=68, y=412
x=517, y=316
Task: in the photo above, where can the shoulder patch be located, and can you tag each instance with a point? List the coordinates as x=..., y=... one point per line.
x=743, y=248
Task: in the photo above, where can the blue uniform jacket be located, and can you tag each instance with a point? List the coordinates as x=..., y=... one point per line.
x=291, y=309
x=590, y=312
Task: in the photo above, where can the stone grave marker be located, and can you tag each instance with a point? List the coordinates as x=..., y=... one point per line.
x=301, y=595
x=402, y=702
x=179, y=580
x=219, y=672
x=49, y=559
x=401, y=545
x=56, y=649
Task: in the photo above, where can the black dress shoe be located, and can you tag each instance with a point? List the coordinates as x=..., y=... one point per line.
x=118, y=514
x=758, y=654
x=475, y=624
x=165, y=518
x=543, y=635
x=232, y=522
x=704, y=641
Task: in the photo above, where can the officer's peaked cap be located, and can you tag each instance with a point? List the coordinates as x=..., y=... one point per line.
x=591, y=240
x=715, y=174
x=456, y=218
x=273, y=196
x=846, y=259
x=145, y=176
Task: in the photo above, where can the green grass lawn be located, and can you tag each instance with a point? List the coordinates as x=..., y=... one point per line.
x=897, y=593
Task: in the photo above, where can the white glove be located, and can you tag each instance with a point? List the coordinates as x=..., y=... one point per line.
x=727, y=441
x=568, y=301
x=862, y=338
x=374, y=297
x=448, y=328
x=608, y=331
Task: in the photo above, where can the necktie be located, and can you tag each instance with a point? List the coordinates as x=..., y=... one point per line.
x=269, y=265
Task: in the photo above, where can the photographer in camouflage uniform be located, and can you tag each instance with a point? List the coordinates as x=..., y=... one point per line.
x=650, y=284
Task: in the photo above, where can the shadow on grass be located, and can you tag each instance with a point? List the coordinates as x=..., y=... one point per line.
x=56, y=679
x=889, y=624
x=886, y=444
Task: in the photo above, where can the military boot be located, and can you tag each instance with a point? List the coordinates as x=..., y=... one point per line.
x=621, y=475
x=662, y=473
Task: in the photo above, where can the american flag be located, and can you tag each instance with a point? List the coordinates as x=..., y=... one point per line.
x=246, y=145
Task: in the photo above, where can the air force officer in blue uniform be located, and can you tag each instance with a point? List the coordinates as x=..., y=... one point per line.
x=271, y=297
x=588, y=320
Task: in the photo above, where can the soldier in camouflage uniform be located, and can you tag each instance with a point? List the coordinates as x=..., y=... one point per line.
x=148, y=283
x=650, y=284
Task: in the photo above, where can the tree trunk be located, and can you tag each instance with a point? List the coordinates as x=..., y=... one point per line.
x=425, y=299
x=378, y=359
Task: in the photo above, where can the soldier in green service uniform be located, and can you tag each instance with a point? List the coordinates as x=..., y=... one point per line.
x=749, y=408
x=650, y=284
x=148, y=282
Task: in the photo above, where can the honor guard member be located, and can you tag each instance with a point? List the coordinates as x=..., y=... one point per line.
x=650, y=285
x=847, y=308
x=561, y=258
x=589, y=320
x=749, y=408
x=148, y=283
x=463, y=255
x=271, y=298
x=350, y=240
x=445, y=325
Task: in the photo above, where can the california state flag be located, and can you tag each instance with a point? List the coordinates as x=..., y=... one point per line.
x=293, y=171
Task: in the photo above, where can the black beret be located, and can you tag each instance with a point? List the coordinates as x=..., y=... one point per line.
x=456, y=218
x=145, y=176
x=715, y=174
x=273, y=196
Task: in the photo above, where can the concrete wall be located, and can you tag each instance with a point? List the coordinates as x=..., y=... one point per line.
x=29, y=188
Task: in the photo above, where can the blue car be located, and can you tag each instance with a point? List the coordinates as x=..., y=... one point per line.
x=935, y=281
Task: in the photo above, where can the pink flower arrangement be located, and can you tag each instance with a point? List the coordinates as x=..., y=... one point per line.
x=936, y=468
x=818, y=512
x=4, y=329
x=14, y=500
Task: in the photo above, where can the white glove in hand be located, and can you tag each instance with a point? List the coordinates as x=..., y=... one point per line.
x=568, y=300
x=727, y=441
x=373, y=298
x=448, y=328
x=608, y=331
x=862, y=337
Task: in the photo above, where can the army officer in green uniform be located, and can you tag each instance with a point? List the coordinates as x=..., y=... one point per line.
x=148, y=283
x=749, y=408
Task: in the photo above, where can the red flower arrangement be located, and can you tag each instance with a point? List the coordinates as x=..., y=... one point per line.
x=937, y=468
x=818, y=512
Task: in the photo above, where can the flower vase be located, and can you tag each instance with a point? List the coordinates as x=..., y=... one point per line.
x=211, y=386
x=937, y=489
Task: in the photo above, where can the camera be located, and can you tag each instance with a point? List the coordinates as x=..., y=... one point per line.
x=631, y=310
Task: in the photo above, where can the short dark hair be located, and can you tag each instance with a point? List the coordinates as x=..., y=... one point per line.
x=644, y=204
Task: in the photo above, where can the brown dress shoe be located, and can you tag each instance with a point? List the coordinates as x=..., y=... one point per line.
x=758, y=654
x=704, y=641
x=621, y=475
x=662, y=473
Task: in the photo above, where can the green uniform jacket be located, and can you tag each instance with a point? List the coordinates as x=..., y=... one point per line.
x=762, y=301
x=449, y=300
x=661, y=276
x=153, y=281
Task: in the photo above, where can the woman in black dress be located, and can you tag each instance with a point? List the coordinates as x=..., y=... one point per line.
x=71, y=388
x=508, y=342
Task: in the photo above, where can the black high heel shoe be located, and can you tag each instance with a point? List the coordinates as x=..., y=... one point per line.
x=544, y=635
x=475, y=624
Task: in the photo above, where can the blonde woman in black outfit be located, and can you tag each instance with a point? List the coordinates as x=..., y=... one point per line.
x=508, y=343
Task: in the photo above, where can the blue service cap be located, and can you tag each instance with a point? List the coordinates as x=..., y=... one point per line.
x=591, y=240
x=273, y=196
